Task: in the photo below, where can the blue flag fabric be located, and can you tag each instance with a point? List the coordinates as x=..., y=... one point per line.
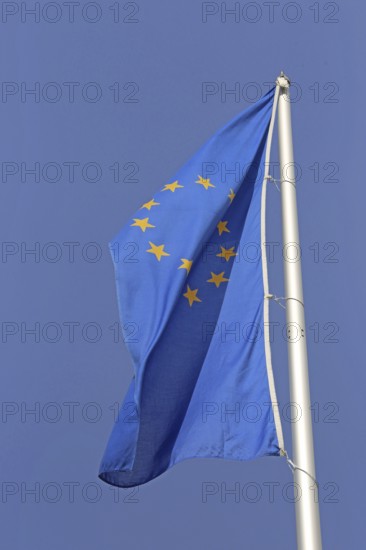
x=191, y=291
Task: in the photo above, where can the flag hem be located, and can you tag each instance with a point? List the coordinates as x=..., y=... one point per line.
x=103, y=475
x=267, y=346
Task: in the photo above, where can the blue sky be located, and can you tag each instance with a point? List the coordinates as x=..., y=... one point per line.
x=120, y=100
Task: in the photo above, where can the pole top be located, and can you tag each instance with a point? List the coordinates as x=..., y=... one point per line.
x=283, y=81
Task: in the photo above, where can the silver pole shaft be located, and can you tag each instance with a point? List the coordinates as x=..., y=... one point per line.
x=306, y=492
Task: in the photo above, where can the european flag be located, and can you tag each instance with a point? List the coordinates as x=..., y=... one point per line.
x=193, y=288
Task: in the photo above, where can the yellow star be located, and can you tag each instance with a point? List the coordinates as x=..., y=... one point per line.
x=172, y=186
x=187, y=264
x=205, y=182
x=158, y=250
x=221, y=226
x=231, y=195
x=226, y=253
x=149, y=205
x=191, y=296
x=217, y=278
x=142, y=223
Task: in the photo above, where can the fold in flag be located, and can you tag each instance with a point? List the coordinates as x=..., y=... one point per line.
x=194, y=288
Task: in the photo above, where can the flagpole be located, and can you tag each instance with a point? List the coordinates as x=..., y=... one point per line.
x=306, y=490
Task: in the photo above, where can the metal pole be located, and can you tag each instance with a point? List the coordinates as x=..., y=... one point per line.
x=306, y=491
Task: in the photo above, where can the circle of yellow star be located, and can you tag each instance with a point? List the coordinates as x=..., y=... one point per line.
x=217, y=279
x=149, y=205
x=221, y=226
x=143, y=224
x=172, y=186
x=191, y=296
x=205, y=182
x=157, y=250
x=231, y=195
x=187, y=264
x=226, y=253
